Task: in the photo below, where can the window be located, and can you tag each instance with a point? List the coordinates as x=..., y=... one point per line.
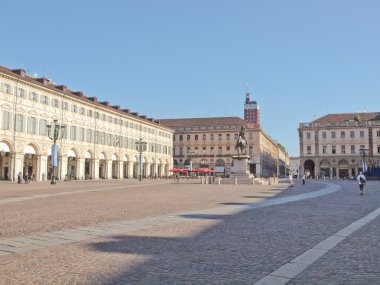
x=196, y=137
x=333, y=135
x=109, y=119
x=362, y=134
x=342, y=134
x=250, y=150
x=89, y=136
x=103, y=117
x=6, y=88
x=180, y=137
x=333, y=150
x=82, y=111
x=342, y=149
x=81, y=134
x=228, y=136
x=43, y=128
x=188, y=137
x=212, y=150
x=74, y=108
x=352, y=149
x=65, y=106
x=55, y=103
x=73, y=133
x=45, y=100
x=212, y=137
x=308, y=149
x=32, y=125
x=204, y=150
x=324, y=135
x=33, y=96
x=97, y=115
x=115, y=121
x=378, y=133
x=21, y=93
x=378, y=149
x=196, y=150
x=352, y=134
x=324, y=149
x=236, y=136
x=181, y=151
x=219, y=150
x=251, y=136
x=204, y=137
x=19, y=123
x=228, y=150
x=308, y=135
x=6, y=121
x=89, y=113
x=219, y=137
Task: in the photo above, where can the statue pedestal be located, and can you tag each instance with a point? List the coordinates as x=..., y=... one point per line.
x=240, y=169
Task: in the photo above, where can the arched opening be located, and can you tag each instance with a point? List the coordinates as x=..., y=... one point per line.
x=309, y=168
x=220, y=167
x=102, y=166
x=324, y=168
x=115, y=168
x=5, y=161
x=71, y=165
x=343, y=169
x=30, y=163
x=88, y=173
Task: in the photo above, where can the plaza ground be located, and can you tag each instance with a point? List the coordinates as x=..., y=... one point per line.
x=164, y=232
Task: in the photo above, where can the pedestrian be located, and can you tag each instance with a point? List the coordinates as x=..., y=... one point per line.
x=361, y=180
x=303, y=179
x=291, y=183
x=19, y=177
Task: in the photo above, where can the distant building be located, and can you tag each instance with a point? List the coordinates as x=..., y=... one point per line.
x=210, y=143
x=294, y=166
x=251, y=111
x=340, y=145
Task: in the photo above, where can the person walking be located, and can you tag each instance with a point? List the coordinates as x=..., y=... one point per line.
x=361, y=180
x=291, y=183
x=303, y=179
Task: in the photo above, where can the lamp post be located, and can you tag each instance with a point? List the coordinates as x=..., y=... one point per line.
x=140, y=147
x=55, y=132
x=363, y=153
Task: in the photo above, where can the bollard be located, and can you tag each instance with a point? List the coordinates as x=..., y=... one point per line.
x=235, y=180
x=253, y=180
x=219, y=180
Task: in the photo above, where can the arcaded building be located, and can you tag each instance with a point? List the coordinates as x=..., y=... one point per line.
x=340, y=145
x=99, y=140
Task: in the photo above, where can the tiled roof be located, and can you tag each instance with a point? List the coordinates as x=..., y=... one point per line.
x=338, y=118
x=192, y=122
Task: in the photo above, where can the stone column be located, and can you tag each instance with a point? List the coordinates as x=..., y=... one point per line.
x=120, y=169
x=108, y=169
x=19, y=163
x=80, y=168
x=63, y=164
x=130, y=169
x=96, y=169
x=147, y=169
x=42, y=173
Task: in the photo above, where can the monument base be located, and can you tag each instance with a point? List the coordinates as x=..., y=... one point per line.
x=240, y=169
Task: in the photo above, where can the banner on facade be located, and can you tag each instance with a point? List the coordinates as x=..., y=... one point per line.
x=54, y=155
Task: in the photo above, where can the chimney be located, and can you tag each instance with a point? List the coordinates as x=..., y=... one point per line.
x=143, y=117
x=117, y=107
x=125, y=110
x=19, y=71
x=134, y=114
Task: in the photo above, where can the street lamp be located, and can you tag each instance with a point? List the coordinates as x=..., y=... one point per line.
x=140, y=147
x=55, y=132
x=363, y=153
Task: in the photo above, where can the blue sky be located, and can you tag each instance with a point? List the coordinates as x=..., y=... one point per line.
x=173, y=59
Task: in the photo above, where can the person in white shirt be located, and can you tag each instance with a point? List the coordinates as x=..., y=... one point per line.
x=291, y=183
x=361, y=180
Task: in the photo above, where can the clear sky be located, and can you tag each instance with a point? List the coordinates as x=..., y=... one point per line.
x=301, y=59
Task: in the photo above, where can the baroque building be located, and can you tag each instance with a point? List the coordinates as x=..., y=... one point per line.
x=340, y=145
x=210, y=143
x=99, y=140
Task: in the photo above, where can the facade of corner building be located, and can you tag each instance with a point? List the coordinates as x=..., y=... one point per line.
x=340, y=145
x=210, y=143
x=99, y=140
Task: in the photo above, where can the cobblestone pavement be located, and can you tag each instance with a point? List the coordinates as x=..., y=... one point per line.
x=185, y=233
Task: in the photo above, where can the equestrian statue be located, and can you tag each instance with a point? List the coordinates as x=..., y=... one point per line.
x=241, y=142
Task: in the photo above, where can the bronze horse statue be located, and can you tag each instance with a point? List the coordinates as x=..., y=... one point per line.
x=241, y=142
